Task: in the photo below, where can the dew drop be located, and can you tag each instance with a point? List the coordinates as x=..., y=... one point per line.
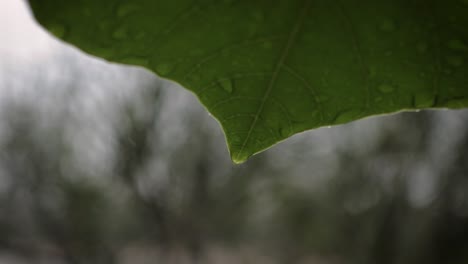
x=225, y=52
x=235, y=139
x=258, y=15
x=323, y=98
x=388, y=25
x=372, y=71
x=455, y=61
x=57, y=30
x=284, y=132
x=267, y=44
x=195, y=77
x=164, y=69
x=421, y=47
x=140, y=35
x=347, y=116
x=252, y=30
x=126, y=9
x=424, y=100
x=120, y=33
x=378, y=99
x=226, y=84
x=196, y=52
x=447, y=71
x=457, y=103
x=386, y=88
x=456, y=44
x=86, y=11
x=105, y=25
x=135, y=61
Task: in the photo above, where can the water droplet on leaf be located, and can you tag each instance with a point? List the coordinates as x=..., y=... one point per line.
x=120, y=33
x=226, y=84
x=424, y=100
x=164, y=68
x=135, y=61
x=386, y=88
x=388, y=25
x=456, y=44
x=284, y=132
x=57, y=30
x=422, y=47
x=372, y=71
x=140, y=35
x=457, y=103
x=323, y=98
x=258, y=15
x=87, y=11
x=127, y=8
x=236, y=139
x=455, y=61
x=347, y=116
x=267, y=44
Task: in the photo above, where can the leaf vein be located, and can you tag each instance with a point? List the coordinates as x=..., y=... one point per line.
x=291, y=39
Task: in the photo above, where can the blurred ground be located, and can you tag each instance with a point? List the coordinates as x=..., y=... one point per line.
x=101, y=163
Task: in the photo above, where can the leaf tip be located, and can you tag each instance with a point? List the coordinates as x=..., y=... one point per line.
x=237, y=158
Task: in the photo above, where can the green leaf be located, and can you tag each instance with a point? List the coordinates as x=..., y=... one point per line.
x=269, y=69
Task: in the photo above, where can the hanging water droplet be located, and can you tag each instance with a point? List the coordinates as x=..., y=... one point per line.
x=164, y=69
x=455, y=61
x=388, y=25
x=385, y=88
x=456, y=44
x=226, y=84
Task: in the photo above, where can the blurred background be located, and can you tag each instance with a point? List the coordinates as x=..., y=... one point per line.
x=101, y=163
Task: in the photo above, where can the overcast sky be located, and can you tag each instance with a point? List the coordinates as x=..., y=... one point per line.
x=20, y=35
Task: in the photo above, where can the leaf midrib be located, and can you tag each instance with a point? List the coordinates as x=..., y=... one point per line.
x=284, y=54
